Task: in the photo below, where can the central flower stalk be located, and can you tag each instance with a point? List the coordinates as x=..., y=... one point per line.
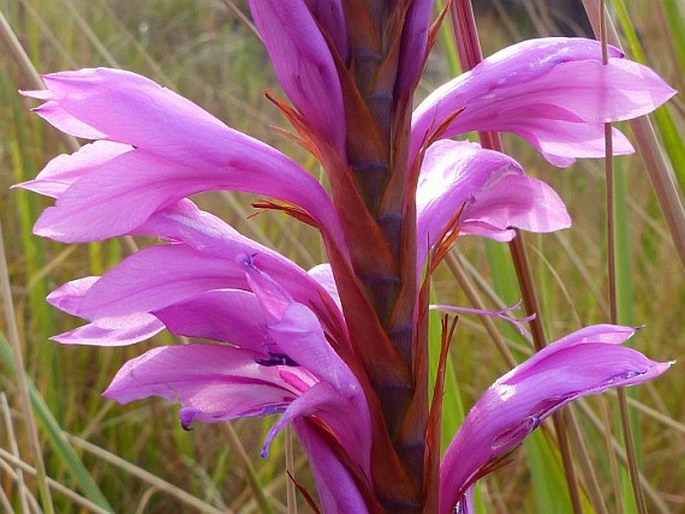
x=378, y=115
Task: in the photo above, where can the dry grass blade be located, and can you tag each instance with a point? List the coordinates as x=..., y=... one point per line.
x=5, y=503
x=653, y=495
x=23, y=386
x=14, y=447
x=253, y=478
x=54, y=484
x=16, y=51
x=611, y=271
x=146, y=476
x=583, y=459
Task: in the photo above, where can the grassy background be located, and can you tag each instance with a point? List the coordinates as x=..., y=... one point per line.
x=135, y=455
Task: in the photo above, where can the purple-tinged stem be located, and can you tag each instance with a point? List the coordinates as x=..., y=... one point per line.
x=611, y=270
x=470, y=54
x=648, y=146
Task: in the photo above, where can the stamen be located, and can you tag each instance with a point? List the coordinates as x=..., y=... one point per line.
x=502, y=314
x=276, y=359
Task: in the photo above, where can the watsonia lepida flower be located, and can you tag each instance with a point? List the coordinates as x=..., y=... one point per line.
x=339, y=351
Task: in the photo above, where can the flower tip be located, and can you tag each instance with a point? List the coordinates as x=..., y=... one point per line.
x=37, y=94
x=186, y=416
x=246, y=260
x=110, y=394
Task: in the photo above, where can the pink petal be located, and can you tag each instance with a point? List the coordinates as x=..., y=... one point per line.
x=303, y=64
x=492, y=189
x=122, y=331
x=297, y=331
x=184, y=222
x=226, y=315
x=312, y=401
x=297, y=334
x=118, y=195
x=157, y=277
x=64, y=170
x=589, y=361
x=554, y=92
x=54, y=114
x=128, y=108
x=68, y=297
x=212, y=383
x=336, y=488
x=323, y=274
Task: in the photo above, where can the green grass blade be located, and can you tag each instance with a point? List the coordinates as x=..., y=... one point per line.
x=549, y=484
x=675, y=18
x=56, y=439
x=624, y=275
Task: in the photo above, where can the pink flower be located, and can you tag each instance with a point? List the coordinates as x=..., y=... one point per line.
x=588, y=361
x=339, y=351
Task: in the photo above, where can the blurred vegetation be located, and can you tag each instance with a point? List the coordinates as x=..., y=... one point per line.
x=203, y=50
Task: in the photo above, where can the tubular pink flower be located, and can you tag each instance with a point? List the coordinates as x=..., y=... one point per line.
x=206, y=256
x=589, y=361
x=166, y=147
x=337, y=491
x=280, y=363
x=553, y=92
x=491, y=188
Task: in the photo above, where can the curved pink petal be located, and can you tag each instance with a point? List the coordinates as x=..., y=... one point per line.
x=554, y=92
x=62, y=120
x=180, y=150
x=112, y=331
x=157, y=277
x=303, y=64
x=296, y=330
x=64, y=170
x=336, y=488
x=215, y=383
x=69, y=296
x=122, y=331
x=586, y=362
x=128, y=108
x=492, y=190
x=323, y=274
x=226, y=315
x=297, y=336
x=212, y=383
